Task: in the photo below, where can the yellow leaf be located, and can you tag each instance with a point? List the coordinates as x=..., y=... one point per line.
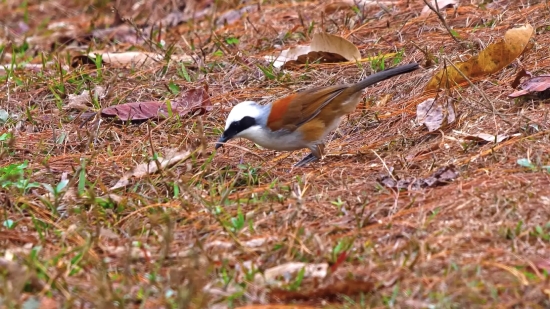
x=490, y=60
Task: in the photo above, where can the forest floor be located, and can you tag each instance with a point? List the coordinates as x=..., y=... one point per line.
x=85, y=223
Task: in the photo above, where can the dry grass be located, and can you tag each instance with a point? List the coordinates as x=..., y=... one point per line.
x=194, y=235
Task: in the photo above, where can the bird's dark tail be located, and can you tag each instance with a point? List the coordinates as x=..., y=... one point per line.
x=380, y=76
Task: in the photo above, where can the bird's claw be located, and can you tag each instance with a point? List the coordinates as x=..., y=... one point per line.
x=305, y=160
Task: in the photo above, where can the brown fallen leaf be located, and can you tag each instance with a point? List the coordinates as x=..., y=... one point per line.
x=192, y=102
x=324, y=47
x=83, y=101
x=276, y=275
x=321, y=56
x=133, y=58
x=433, y=114
x=490, y=60
x=172, y=157
x=522, y=73
x=441, y=176
x=490, y=138
x=537, y=87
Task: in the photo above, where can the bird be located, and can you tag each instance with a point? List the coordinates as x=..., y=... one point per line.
x=302, y=119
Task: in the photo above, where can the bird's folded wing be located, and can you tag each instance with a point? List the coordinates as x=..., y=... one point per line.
x=292, y=111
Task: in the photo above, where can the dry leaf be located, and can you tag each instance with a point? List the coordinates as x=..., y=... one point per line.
x=288, y=55
x=192, y=102
x=522, y=73
x=83, y=102
x=486, y=137
x=287, y=271
x=324, y=47
x=441, y=176
x=335, y=44
x=172, y=157
x=536, y=87
x=136, y=58
x=433, y=114
x=441, y=4
x=493, y=58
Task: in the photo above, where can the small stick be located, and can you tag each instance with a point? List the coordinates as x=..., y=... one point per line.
x=436, y=11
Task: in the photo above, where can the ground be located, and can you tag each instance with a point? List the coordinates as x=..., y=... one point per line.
x=210, y=229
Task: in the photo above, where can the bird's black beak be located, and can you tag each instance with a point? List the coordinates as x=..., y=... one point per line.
x=221, y=141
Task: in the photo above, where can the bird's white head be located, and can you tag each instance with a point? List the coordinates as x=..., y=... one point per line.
x=244, y=119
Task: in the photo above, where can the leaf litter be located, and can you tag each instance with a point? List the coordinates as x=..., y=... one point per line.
x=433, y=114
x=192, y=102
x=536, y=87
x=324, y=47
x=490, y=60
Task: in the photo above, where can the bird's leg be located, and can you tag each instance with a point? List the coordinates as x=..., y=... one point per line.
x=305, y=160
x=317, y=152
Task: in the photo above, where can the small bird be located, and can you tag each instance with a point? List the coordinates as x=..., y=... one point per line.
x=303, y=119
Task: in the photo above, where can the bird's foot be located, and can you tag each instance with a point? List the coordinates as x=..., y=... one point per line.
x=305, y=160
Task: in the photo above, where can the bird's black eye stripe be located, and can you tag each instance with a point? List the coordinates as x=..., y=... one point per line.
x=239, y=126
x=242, y=124
x=247, y=122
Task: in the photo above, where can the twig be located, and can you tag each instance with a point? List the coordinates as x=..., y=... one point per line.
x=481, y=92
x=436, y=11
x=242, y=148
x=384, y=163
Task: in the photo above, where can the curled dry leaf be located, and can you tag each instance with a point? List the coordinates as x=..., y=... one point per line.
x=172, y=157
x=493, y=58
x=289, y=270
x=324, y=47
x=484, y=137
x=434, y=113
x=288, y=55
x=537, y=87
x=83, y=102
x=134, y=58
x=522, y=73
x=441, y=4
x=192, y=102
x=441, y=176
